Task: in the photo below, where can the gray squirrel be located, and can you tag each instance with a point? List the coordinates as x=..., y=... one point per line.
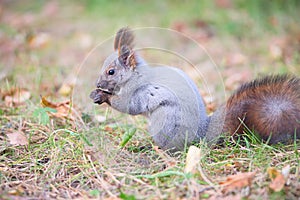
x=177, y=116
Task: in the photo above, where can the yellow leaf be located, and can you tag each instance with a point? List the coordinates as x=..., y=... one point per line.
x=65, y=89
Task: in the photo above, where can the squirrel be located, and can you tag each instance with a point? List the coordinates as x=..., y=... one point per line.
x=269, y=106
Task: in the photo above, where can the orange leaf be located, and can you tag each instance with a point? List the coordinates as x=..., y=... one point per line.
x=17, y=138
x=277, y=178
x=237, y=181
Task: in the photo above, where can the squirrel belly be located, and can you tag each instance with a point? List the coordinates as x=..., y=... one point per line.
x=269, y=106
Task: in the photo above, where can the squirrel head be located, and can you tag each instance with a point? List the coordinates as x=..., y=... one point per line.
x=120, y=65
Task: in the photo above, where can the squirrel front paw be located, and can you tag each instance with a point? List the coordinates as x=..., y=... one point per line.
x=99, y=96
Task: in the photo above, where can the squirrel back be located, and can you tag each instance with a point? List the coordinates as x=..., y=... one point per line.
x=269, y=106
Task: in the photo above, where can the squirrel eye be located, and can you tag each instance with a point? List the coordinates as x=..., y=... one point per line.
x=111, y=72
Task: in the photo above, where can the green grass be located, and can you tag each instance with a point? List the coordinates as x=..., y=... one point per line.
x=65, y=159
x=59, y=163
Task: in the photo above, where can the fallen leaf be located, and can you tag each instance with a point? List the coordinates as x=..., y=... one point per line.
x=39, y=40
x=237, y=181
x=65, y=89
x=17, y=138
x=16, y=96
x=278, y=180
x=64, y=109
x=192, y=159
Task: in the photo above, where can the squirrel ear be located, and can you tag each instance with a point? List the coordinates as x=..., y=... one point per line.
x=124, y=45
x=127, y=57
x=123, y=37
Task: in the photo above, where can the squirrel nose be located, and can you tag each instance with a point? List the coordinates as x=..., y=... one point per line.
x=102, y=84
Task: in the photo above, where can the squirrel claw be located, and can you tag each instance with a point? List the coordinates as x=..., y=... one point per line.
x=98, y=96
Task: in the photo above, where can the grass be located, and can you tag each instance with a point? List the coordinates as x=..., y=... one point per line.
x=65, y=159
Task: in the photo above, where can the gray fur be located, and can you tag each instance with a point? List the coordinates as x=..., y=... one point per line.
x=166, y=95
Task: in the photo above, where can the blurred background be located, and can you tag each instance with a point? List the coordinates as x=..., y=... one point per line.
x=54, y=49
x=45, y=46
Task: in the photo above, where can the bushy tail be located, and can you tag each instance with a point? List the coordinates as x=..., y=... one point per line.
x=269, y=106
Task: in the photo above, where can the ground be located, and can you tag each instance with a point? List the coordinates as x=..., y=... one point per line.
x=55, y=143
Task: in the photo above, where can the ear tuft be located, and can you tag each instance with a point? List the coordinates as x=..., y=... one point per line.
x=124, y=37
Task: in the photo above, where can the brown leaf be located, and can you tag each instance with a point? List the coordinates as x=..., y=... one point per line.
x=64, y=109
x=16, y=96
x=277, y=178
x=17, y=138
x=237, y=181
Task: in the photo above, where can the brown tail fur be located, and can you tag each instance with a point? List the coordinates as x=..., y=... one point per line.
x=270, y=106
